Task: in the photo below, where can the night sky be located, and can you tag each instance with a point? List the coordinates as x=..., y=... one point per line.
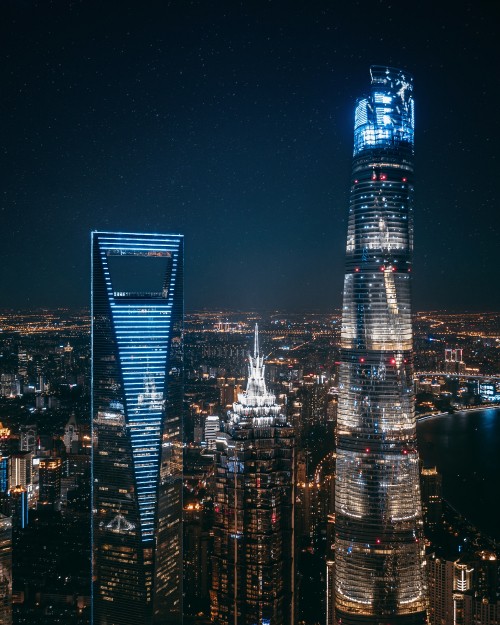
x=232, y=123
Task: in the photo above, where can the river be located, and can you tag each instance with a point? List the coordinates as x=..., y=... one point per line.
x=465, y=447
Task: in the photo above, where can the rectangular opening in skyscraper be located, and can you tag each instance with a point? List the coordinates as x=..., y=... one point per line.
x=139, y=273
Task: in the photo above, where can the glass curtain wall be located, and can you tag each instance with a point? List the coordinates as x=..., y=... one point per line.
x=137, y=376
x=379, y=551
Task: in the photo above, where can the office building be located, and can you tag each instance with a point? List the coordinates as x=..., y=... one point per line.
x=432, y=497
x=379, y=551
x=4, y=474
x=330, y=595
x=212, y=427
x=5, y=570
x=28, y=438
x=71, y=435
x=17, y=507
x=137, y=373
x=50, y=473
x=10, y=385
x=253, y=564
x=196, y=556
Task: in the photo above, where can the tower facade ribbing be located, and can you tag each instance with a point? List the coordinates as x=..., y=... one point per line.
x=253, y=564
x=137, y=373
x=379, y=551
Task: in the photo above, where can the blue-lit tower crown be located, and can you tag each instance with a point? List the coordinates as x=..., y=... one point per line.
x=137, y=364
x=386, y=118
x=379, y=557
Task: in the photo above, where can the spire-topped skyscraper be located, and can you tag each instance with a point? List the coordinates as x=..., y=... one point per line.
x=379, y=554
x=253, y=564
x=256, y=402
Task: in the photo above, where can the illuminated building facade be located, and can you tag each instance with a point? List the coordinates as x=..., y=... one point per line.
x=330, y=599
x=431, y=483
x=464, y=591
x=28, y=438
x=20, y=469
x=137, y=372
x=212, y=426
x=4, y=473
x=50, y=474
x=18, y=507
x=454, y=360
x=253, y=565
x=71, y=435
x=5, y=570
x=379, y=554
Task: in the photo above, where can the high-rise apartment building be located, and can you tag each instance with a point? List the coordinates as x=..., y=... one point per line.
x=464, y=591
x=379, y=554
x=137, y=373
x=20, y=469
x=253, y=564
x=454, y=360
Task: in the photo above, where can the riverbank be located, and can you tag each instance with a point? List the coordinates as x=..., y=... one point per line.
x=464, y=448
x=432, y=415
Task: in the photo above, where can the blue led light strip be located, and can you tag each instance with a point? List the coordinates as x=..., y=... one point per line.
x=142, y=329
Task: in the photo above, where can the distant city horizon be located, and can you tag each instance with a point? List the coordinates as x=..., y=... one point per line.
x=249, y=333
x=251, y=311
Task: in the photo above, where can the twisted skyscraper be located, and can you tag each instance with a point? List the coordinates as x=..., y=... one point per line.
x=379, y=554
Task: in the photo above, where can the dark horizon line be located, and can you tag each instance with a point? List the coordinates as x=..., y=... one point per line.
x=259, y=311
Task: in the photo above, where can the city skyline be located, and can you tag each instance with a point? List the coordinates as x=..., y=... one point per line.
x=44, y=409
x=232, y=124
x=155, y=470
